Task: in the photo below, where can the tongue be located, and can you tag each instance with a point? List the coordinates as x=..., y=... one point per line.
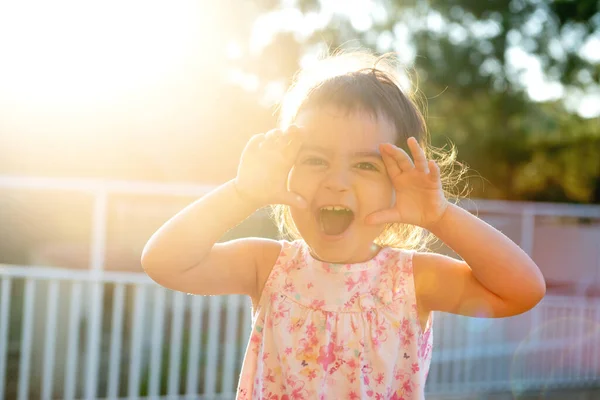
x=335, y=222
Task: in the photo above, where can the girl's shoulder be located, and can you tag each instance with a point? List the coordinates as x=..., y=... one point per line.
x=270, y=251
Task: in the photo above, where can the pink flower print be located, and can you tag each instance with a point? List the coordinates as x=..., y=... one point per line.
x=314, y=340
x=328, y=322
x=370, y=393
x=405, y=325
x=288, y=351
x=270, y=377
x=402, y=281
x=312, y=374
x=289, y=287
x=366, y=370
x=304, y=348
x=326, y=355
x=398, y=374
x=350, y=283
x=255, y=338
x=318, y=304
x=353, y=326
x=376, y=341
x=363, y=277
x=406, y=269
x=341, y=346
x=352, y=364
x=397, y=396
x=407, y=386
x=309, y=285
x=353, y=396
x=299, y=393
x=406, y=341
x=424, y=344
x=351, y=377
x=415, y=367
x=294, y=326
x=282, y=311
x=379, y=378
x=381, y=330
x=291, y=380
x=311, y=329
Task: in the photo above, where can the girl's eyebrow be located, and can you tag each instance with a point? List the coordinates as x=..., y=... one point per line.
x=318, y=149
x=369, y=154
x=358, y=154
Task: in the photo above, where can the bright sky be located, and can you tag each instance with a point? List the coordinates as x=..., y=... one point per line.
x=65, y=53
x=60, y=53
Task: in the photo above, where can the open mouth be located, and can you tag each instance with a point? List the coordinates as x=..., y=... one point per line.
x=335, y=220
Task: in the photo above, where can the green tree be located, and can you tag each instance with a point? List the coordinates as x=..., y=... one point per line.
x=466, y=56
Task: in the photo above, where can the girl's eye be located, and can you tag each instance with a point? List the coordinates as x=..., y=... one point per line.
x=314, y=161
x=367, y=166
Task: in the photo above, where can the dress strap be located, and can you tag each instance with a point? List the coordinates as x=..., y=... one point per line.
x=289, y=258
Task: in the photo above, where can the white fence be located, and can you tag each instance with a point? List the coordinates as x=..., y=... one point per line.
x=155, y=342
x=94, y=333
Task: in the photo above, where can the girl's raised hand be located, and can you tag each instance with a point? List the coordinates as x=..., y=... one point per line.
x=265, y=165
x=420, y=199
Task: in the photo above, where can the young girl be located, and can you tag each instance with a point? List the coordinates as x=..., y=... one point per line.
x=345, y=310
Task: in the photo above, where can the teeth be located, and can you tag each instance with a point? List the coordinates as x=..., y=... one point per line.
x=335, y=208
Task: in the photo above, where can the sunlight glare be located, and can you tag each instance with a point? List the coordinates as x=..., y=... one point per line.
x=67, y=52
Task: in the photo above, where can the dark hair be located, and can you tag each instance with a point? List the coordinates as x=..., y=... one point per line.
x=374, y=91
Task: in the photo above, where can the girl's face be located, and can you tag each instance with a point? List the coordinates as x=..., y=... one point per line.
x=340, y=165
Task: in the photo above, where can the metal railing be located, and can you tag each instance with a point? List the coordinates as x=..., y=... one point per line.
x=155, y=341
x=120, y=352
x=159, y=342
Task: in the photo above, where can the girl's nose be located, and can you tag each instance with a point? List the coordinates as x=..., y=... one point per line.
x=337, y=180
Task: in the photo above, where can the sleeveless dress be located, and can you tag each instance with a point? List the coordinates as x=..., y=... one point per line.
x=337, y=331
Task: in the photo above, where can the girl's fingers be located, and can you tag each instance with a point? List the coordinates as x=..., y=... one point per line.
x=293, y=131
x=401, y=157
x=390, y=215
x=418, y=155
x=272, y=138
x=255, y=141
x=391, y=166
x=435, y=170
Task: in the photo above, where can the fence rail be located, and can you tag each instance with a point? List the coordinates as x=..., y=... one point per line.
x=155, y=342
x=99, y=334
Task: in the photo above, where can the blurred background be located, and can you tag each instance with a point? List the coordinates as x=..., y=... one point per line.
x=114, y=115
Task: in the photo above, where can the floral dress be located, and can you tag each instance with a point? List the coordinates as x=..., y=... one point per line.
x=337, y=331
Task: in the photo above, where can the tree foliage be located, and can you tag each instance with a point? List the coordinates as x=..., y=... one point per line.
x=477, y=95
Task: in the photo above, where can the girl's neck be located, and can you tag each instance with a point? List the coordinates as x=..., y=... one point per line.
x=374, y=250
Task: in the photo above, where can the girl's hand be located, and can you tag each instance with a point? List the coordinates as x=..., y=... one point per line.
x=264, y=168
x=420, y=200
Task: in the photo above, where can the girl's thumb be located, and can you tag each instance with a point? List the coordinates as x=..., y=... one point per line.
x=293, y=199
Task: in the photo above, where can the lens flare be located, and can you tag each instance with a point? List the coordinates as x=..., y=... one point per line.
x=560, y=351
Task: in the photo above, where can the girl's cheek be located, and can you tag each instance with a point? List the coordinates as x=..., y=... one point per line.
x=300, y=182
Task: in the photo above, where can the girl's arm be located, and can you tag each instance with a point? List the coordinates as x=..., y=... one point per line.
x=183, y=255
x=496, y=279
